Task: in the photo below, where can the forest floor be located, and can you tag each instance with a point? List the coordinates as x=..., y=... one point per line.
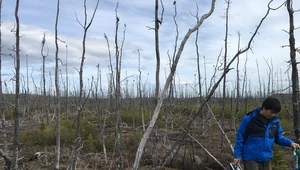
x=190, y=155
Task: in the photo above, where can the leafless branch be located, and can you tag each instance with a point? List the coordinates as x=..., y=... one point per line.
x=127, y=77
x=286, y=31
x=283, y=46
x=166, y=86
x=278, y=6
x=78, y=19
x=201, y=146
x=162, y=11
x=91, y=20
x=210, y=94
x=61, y=40
x=150, y=28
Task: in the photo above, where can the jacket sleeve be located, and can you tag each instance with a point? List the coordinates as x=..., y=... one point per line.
x=281, y=140
x=239, y=142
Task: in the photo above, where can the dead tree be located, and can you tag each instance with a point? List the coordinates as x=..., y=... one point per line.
x=199, y=73
x=237, y=88
x=86, y=25
x=215, y=86
x=118, y=66
x=170, y=95
x=139, y=92
x=101, y=125
x=17, y=92
x=244, y=85
x=44, y=78
x=259, y=80
x=57, y=89
x=269, y=76
x=295, y=76
x=67, y=84
x=168, y=82
x=158, y=23
x=228, y=2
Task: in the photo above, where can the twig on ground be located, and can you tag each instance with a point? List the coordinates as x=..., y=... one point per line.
x=201, y=146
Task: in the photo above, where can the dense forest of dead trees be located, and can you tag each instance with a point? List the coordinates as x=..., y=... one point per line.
x=132, y=126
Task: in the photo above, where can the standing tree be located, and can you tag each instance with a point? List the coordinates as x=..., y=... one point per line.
x=228, y=2
x=44, y=78
x=86, y=25
x=17, y=93
x=118, y=55
x=57, y=88
x=235, y=116
x=295, y=76
x=158, y=22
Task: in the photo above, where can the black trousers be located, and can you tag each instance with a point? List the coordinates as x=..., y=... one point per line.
x=254, y=165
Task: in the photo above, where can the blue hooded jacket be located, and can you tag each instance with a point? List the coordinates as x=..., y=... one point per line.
x=256, y=136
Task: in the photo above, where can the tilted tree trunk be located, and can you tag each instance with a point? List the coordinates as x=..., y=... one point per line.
x=168, y=82
x=215, y=86
x=17, y=92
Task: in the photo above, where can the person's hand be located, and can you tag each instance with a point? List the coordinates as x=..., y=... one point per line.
x=295, y=145
x=236, y=161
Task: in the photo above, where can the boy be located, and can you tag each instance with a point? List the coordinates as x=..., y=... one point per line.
x=256, y=135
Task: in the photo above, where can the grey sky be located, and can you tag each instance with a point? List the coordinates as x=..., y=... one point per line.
x=38, y=17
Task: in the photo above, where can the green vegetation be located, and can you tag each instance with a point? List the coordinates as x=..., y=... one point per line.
x=91, y=130
x=278, y=163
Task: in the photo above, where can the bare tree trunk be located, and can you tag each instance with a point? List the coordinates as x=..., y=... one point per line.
x=80, y=106
x=199, y=75
x=168, y=82
x=259, y=80
x=111, y=87
x=170, y=105
x=17, y=95
x=26, y=91
x=158, y=22
x=237, y=88
x=245, y=83
x=102, y=129
x=57, y=89
x=67, y=84
x=118, y=56
x=44, y=79
x=269, y=77
x=141, y=103
x=224, y=66
x=215, y=86
x=295, y=76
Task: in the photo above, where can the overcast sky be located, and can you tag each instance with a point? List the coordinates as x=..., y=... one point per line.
x=38, y=17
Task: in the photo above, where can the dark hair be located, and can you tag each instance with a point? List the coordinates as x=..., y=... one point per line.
x=273, y=104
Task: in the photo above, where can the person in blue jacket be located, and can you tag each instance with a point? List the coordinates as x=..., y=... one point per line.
x=256, y=135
